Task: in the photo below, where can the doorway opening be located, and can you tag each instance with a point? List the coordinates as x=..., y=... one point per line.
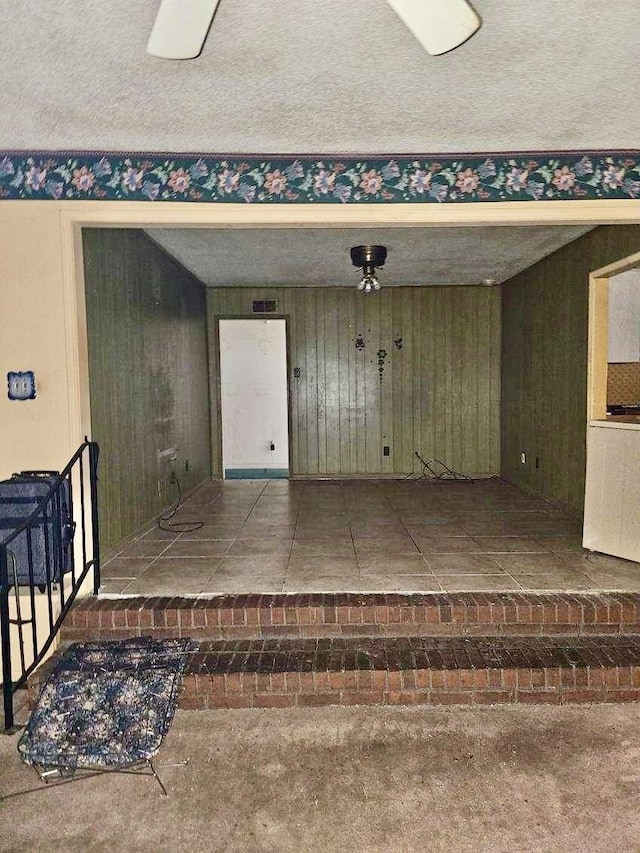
x=254, y=410
x=403, y=371
x=612, y=494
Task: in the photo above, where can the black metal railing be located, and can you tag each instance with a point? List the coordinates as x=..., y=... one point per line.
x=43, y=563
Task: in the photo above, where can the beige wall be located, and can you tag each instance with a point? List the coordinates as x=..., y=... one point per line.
x=439, y=393
x=544, y=364
x=33, y=336
x=35, y=325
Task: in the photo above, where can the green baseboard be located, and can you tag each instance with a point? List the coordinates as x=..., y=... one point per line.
x=256, y=473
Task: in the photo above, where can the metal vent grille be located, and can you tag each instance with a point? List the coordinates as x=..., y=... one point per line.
x=265, y=306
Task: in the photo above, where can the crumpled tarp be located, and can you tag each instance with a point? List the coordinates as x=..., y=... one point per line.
x=106, y=704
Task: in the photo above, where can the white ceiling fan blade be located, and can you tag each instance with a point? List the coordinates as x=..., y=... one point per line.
x=180, y=28
x=439, y=25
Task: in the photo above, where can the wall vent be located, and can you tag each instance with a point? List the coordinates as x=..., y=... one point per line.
x=265, y=306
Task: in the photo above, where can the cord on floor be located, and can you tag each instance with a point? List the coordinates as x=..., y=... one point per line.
x=180, y=526
x=435, y=469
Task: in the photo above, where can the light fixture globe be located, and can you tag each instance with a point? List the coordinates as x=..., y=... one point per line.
x=368, y=258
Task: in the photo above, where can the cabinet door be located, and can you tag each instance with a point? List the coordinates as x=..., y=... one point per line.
x=612, y=494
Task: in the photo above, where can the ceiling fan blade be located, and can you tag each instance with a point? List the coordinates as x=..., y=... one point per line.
x=439, y=25
x=180, y=28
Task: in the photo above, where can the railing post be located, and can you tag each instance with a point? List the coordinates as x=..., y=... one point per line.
x=39, y=518
x=7, y=684
x=94, y=453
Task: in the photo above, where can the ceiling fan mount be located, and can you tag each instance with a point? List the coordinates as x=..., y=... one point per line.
x=181, y=26
x=368, y=256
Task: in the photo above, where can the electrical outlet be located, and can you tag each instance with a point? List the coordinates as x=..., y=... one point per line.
x=523, y=458
x=386, y=450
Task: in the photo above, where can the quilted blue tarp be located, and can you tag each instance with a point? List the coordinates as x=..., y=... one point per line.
x=106, y=704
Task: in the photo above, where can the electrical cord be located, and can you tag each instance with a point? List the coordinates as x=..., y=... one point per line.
x=442, y=473
x=179, y=526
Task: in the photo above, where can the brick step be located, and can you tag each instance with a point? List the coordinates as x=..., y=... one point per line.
x=412, y=670
x=474, y=670
x=352, y=614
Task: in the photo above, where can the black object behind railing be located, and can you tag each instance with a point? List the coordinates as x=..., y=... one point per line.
x=40, y=556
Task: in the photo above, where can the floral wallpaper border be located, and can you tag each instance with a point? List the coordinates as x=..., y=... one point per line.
x=316, y=179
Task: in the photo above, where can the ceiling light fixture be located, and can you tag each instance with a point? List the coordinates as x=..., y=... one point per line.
x=368, y=258
x=488, y=282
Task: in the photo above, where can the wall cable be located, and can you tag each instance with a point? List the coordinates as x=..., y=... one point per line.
x=178, y=526
x=435, y=469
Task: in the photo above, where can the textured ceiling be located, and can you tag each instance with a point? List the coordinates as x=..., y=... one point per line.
x=320, y=257
x=309, y=76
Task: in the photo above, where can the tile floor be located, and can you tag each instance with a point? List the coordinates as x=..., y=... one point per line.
x=273, y=536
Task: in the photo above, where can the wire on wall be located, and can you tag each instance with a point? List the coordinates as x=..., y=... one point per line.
x=178, y=526
x=435, y=469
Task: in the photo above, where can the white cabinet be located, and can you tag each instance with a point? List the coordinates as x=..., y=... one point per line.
x=612, y=495
x=624, y=317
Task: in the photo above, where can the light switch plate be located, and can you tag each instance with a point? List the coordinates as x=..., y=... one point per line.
x=21, y=384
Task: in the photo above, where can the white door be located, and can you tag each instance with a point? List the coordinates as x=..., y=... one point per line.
x=253, y=398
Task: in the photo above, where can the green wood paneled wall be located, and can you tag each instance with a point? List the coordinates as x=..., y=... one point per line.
x=148, y=376
x=544, y=364
x=438, y=393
